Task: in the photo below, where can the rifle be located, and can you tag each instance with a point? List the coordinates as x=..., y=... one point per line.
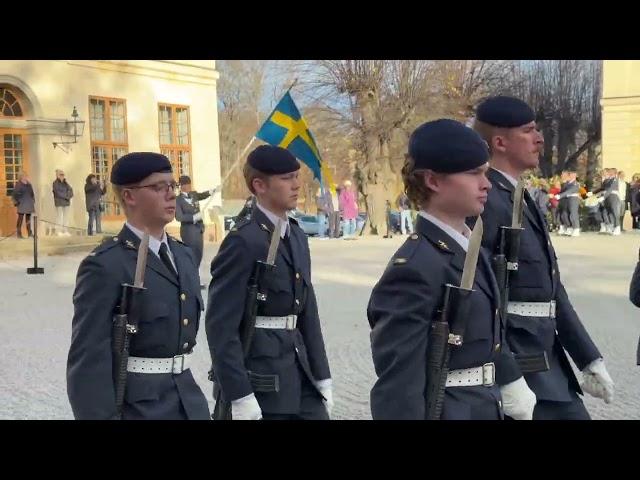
x=255, y=294
x=449, y=329
x=125, y=324
x=505, y=264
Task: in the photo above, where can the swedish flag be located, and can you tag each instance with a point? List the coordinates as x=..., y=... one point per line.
x=286, y=128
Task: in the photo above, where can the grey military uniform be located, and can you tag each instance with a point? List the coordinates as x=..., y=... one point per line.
x=168, y=327
x=191, y=231
x=570, y=198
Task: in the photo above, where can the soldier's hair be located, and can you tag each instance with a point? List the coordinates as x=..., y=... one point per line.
x=414, y=185
x=487, y=132
x=117, y=192
x=250, y=174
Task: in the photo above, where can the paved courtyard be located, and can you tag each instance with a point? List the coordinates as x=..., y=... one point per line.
x=36, y=311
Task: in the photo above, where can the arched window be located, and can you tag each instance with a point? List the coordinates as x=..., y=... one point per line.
x=9, y=104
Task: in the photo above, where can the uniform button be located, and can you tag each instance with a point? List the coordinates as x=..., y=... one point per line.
x=497, y=312
x=297, y=302
x=297, y=276
x=500, y=403
x=497, y=347
x=553, y=272
x=183, y=297
x=185, y=322
x=186, y=345
x=549, y=242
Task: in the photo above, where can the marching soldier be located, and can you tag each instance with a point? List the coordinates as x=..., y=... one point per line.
x=563, y=212
x=570, y=196
x=159, y=383
x=611, y=203
x=190, y=217
x=286, y=374
x=444, y=175
x=541, y=323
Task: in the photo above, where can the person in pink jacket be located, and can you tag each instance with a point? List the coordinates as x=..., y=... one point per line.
x=349, y=207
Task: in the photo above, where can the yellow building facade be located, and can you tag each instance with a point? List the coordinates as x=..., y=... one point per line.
x=167, y=106
x=621, y=116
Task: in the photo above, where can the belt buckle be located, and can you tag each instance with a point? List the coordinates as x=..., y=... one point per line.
x=552, y=309
x=290, y=322
x=173, y=364
x=488, y=370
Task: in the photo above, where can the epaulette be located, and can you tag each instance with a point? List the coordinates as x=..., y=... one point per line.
x=176, y=240
x=107, y=244
x=241, y=223
x=407, y=250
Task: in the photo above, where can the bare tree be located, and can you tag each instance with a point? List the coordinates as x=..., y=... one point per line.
x=593, y=121
x=565, y=96
x=240, y=93
x=373, y=99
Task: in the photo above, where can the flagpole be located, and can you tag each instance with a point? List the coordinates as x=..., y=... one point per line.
x=295, y=81
x=235, y=164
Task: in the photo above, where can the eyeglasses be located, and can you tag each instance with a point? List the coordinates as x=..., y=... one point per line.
x=159, y=187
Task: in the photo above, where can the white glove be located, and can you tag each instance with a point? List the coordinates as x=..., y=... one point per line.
x=597, y=382
x=518, y=400
x=589, y=194
x=557, y=197
x=246, y=408
x=197, y=217
x=326, y=389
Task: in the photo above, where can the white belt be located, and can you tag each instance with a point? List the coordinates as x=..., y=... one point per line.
x=176, y=365
x=573, y=195
x=287, y=323
x=533, y=309
x=471, y=377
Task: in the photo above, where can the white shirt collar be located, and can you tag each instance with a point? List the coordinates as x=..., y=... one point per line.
x=512, y=180
x=154, y=243
x=273, y=218
x=461, y=239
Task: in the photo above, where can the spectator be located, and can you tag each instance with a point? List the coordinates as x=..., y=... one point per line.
x=349, y=207
x=624, y=190
x=93, y=192
x=404, y=205
x=634, y=200
x=553, y=203
x=325, y=209
x=334, y=218
x=62, y=195
x=24, y=200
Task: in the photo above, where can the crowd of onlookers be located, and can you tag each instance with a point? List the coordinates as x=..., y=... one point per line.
x=570, y=208
x=23, y=198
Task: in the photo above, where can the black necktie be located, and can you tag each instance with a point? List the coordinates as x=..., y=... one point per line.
x=164, y=256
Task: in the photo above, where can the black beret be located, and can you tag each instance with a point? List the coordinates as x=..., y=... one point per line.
x=505, y=112
x=185, y=180
x=273, y=160
x=447, y=146
x=134, y=166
